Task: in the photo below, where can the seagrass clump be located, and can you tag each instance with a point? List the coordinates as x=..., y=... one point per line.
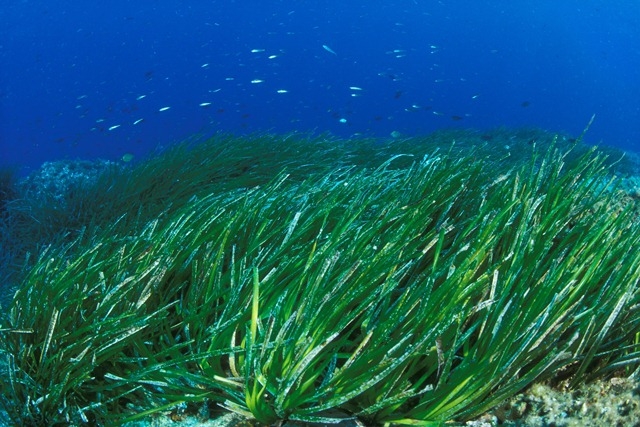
x=414, y=288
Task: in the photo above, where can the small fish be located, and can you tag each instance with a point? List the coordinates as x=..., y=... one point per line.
x=257, y=50
x=114, y=127
x=254, y=81
x=127, y=157
x=273, y=56
x=282, y=91
x=205, y=104
x=164, y=109
x=204, y=65
x=137, y=121
x=355, y=88
x=328, y=49
x=141, y=97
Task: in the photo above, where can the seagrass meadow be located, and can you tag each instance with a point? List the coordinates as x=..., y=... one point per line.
x=291, y=278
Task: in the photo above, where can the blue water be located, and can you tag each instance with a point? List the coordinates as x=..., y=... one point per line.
x=72, y=70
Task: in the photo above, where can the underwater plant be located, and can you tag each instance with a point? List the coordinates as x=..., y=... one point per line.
x=415, y=283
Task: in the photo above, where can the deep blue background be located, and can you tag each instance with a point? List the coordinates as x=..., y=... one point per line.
x=70, y=70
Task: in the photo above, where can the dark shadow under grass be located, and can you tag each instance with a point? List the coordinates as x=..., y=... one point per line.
x=315, y=280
